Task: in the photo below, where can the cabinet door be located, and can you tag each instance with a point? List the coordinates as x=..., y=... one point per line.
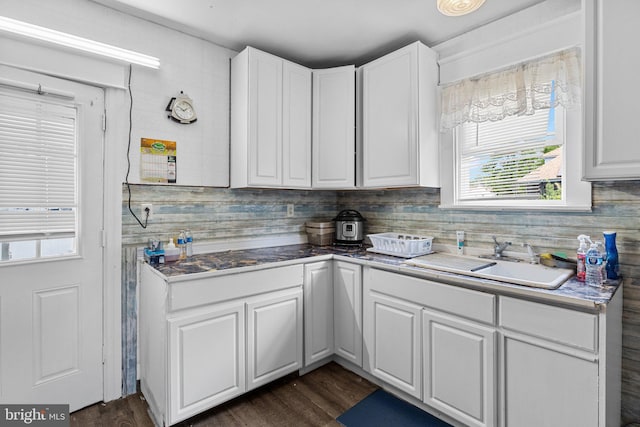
x=392, y=341
x=347, y=311
x=296, y=126
x=334, y=127
x=274, y=336
x=265, y=119
x=459, y=368
x=318, y=311
x=389, y=119
x=546, y=387
x=611, y=64
x=206, y=359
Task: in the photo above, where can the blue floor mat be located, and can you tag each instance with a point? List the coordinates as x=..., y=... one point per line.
x=381, y=409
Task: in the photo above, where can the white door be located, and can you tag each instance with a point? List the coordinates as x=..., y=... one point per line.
x=318, y=311
x=392, y=334
x=51, y=289
x=274, y=336
x=347, y=311
x=296, y=125
x=459, y=368
x=544, y=387
x=390, y=119
x=206, y=359
x=334, y=127
x=265, y=119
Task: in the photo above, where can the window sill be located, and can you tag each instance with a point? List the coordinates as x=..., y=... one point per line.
x=513, y=208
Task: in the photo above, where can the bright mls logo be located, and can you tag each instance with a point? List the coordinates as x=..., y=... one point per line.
x=34, y=415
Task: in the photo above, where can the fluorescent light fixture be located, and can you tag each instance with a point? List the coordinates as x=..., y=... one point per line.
x=75, y=42
x=458, y=7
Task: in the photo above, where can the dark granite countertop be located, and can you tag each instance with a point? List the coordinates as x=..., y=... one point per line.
x=226, y=260
x=571, y=292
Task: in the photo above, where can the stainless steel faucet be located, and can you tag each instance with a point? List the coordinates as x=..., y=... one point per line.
x=499, y=247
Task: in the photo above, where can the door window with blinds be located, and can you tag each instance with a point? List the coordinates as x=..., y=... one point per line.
x=38, y=177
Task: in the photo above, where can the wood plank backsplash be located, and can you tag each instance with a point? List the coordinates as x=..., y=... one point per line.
x=217, y=214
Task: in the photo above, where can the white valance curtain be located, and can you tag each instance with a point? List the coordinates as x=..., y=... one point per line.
x=516, y=90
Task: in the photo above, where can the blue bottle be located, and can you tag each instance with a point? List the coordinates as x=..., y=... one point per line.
x=613, y=267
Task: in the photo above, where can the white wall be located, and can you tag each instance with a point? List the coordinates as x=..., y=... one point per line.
x=539, y=30
x=197, y=67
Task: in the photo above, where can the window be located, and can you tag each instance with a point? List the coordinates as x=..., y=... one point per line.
x=513, y=139
x=38, y=176
x=517, y=158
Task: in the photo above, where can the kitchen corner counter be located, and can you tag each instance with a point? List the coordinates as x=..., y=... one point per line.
x=572, y=292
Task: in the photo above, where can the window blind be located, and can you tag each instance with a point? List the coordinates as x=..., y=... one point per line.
x=38, y=165
x=507, y=159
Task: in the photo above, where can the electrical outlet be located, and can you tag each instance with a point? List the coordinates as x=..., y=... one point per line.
x=143, y=212
x=290, y=210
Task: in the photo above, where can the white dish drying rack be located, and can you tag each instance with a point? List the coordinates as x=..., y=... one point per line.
x=401, y=245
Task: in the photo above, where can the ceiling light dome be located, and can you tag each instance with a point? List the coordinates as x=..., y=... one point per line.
x=458, y=7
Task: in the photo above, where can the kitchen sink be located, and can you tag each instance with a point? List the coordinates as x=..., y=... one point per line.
x=532, y=275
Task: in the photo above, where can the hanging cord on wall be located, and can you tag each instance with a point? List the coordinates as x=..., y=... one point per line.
x=126, y=180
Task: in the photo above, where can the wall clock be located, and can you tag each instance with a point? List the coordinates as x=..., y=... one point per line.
x=181, y=109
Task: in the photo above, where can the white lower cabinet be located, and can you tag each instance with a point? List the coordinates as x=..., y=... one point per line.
x=206, y=359
x=459, y=368
x=318, y=311
x=274, y=336
x=392, y=338
x=347, y=311
x=547, y=387
x=446, y=359
x=552, y=366
x=207, y=339
x=476, y=357
x=493, y=360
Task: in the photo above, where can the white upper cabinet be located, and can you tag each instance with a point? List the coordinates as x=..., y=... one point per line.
x=399, y=145
x=334, y=128
x=296, y=126
x=270, y=122
x=611, y=66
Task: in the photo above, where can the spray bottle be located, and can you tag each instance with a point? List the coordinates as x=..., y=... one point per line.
x=581, y=256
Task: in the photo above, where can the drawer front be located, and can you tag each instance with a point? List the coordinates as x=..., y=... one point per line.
x=569, y=327
x=208, y=290
x=462, y=302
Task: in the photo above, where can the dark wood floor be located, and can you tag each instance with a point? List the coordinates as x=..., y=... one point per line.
x=315, y=399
